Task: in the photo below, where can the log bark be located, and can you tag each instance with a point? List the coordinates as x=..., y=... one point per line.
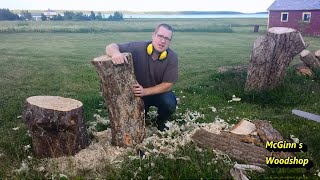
x=317, y=54
x=226, y=143
x=247, y=148
x=310, y=59
x=303, y=69
x=267, y=133
x=270, y=57
x=56, y=125
x=126, y=112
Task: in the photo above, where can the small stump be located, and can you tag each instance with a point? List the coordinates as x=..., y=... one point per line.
x=56, y=125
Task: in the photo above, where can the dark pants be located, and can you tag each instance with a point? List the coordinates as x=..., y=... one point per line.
x=166, y=104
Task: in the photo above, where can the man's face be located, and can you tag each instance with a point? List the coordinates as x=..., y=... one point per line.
x=161, y=39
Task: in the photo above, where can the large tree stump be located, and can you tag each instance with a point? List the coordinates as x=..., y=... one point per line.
x=56, y=125
x=271, y=56
x=310, y=59
x=126, y=112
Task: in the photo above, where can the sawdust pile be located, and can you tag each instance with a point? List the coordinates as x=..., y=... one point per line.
x=101, y=153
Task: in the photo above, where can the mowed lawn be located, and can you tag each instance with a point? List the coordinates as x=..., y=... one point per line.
x=58, y=64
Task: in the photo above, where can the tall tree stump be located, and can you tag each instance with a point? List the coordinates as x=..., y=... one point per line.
x=126, y=112
x=310, y=59
x=271, y=56
x=56, y=125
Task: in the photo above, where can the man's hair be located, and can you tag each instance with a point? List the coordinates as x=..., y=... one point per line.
x=167, y=26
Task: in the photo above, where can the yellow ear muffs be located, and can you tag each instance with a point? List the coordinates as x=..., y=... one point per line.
x=150, y=49
x=162, y=56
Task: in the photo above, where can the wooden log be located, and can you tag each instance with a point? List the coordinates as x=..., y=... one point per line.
x=267, y=133
x=56, y=125
x=317, y=54
x=303, y=69
x=310, y=59
x=226, y=143
x=270, y=57
x=247, y=148
x=126, y=112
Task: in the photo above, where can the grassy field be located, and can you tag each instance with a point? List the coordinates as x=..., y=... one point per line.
x=135, y=25
x=46, y=63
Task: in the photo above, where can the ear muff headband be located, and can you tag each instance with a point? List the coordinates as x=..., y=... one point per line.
x=162, y=56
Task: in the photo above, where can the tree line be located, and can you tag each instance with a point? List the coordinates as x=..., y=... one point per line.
x=7, y=15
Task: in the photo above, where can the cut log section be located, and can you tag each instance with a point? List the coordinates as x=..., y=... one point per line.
x=56, y=125
x=271, y=56
x=244, y=127
x=126, y=112
x=247, y=148
x=248, y=153
x=317, y=54
x=303, y=69
x=310, y=59
x=266, y=131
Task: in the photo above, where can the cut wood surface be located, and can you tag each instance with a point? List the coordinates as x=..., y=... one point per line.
x=270, y=57
x=317, y=54
x=244, y=127
x=56, y=125
x=303, y=69
x=310, y=59
x=126, y=112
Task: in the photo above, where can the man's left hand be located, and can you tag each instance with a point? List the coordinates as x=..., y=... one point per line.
x=138, y=90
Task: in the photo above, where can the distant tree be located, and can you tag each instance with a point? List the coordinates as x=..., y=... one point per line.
x=78, y=16
x=43, y=17
x=57, y=18
x=25, y=15
x=68, y=15
x=7, y=15
x=99, y=16
x=92, y=16
x=117, y=16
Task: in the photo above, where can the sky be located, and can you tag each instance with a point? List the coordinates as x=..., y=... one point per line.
x=245, y=6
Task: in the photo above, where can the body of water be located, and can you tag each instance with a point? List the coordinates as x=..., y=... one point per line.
x=180, y=16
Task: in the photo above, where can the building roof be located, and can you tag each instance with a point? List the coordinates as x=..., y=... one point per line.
x=49, y=10
x=295, y=5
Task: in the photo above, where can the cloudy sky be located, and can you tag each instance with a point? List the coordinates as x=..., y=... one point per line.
x=140, y=5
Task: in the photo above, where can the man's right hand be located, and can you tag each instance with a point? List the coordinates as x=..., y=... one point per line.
x=119, y=58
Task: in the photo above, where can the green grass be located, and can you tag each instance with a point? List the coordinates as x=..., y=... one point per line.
x=135, y=25
x=59, y=64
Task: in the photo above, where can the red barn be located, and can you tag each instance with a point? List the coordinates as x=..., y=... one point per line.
x=302, y=15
